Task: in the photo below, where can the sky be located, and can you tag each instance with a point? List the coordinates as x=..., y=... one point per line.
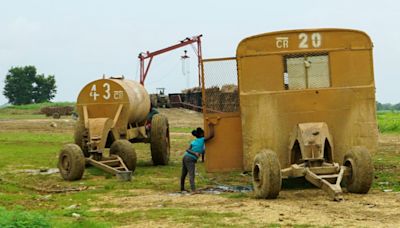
x=80, y=41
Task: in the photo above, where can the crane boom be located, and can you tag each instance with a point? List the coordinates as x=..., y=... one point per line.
x=144, y=68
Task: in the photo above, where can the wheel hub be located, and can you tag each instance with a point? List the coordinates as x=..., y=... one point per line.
x=66, y=163
x=256, y=174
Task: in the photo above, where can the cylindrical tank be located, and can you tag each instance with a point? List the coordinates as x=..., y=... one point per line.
x=139, y=100
x=103, y=97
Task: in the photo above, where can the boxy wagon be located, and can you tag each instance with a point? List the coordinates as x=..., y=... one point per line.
x=304, y=106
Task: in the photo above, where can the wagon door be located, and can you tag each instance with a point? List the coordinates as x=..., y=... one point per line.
x=221, y=108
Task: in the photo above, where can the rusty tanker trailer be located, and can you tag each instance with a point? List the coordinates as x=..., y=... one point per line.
x=113, y=114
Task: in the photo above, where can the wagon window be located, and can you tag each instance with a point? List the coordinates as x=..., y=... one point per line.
x=307, y=71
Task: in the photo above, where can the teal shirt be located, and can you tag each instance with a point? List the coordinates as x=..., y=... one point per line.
x=197, y=146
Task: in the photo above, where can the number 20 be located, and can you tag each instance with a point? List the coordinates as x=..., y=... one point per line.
x=316, y=40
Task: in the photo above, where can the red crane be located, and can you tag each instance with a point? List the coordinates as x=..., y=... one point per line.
x=149, y=55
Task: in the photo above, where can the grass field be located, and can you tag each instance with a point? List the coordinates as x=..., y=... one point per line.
x=149, y=199
x=40, y=150
x=19, y=195
x=389, y=122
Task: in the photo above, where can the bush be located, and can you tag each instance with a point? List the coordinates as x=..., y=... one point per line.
x=40, y=105
x=62, y=110
x=20, y=219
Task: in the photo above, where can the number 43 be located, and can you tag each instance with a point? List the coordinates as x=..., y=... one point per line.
x=93, y=92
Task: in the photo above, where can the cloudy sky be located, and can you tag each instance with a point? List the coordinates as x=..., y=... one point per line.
x=79, y=41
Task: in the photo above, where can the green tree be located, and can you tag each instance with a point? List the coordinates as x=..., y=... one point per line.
x=379, y=106
x=387, y=106
x=44, y=88
x=24, y=86
x=396, y=107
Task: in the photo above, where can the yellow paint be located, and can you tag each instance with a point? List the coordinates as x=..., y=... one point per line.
x=269, y=112
x=117, y=102
x=224, y=151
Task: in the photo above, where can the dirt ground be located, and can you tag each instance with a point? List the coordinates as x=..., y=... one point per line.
x=299, y=206
x=306, y=206
x=176, y=118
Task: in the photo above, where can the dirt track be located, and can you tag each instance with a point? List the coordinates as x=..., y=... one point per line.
x=38, y=125
x=306, y=206
x=309, y=206
x=177, y=118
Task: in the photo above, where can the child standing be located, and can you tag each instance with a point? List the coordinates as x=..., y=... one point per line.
x=195, y=150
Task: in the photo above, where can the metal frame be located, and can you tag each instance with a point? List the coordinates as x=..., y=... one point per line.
x=113, y=165
x=203, y=86
x=328, y=176
x=226, y=139
x=150, y=55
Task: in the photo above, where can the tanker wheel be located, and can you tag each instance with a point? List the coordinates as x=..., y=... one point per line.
x=159, y=140
x=71, y=162
x=56, y=115
x=266, y=175
x=359, y=161
x=124, y=149
x=80, y=132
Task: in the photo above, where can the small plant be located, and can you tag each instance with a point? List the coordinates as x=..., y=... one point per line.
x=19, y=218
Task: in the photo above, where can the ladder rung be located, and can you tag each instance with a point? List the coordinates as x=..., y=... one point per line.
x=109, y=161
x=328, y=176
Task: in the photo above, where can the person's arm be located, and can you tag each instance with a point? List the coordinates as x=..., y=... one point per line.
x=190, y=151
x=193, y=153
x=211, y=133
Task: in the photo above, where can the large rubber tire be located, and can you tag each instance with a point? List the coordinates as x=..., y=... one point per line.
x=159, y=140
x=124, y=149
x=266, y=175
x=361, y=170
x=71, y=162
x=78, y=138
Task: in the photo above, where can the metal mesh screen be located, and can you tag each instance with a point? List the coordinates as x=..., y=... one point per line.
x=306, y=71
x=220, y=85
